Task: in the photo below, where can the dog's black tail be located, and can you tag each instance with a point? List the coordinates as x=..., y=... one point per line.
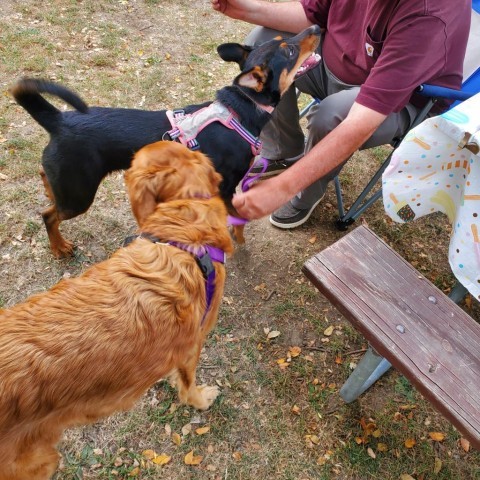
x=27, y=92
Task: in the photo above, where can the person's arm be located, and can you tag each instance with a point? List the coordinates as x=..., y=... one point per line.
x=284, y=16
x=265, y=197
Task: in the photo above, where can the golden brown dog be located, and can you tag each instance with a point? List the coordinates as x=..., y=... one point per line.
x=93, y=345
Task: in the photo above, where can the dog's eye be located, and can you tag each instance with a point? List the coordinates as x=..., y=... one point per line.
x=291, y=51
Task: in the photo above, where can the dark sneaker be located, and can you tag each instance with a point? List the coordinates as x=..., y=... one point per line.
x=289, y=216
x=274, y=166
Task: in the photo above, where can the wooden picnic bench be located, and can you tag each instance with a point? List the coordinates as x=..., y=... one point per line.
x=407, y=321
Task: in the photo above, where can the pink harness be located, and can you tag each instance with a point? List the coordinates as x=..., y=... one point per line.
x=185, y=128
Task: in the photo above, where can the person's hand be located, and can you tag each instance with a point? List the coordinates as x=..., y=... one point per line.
x=261, y=200
x=232, y=8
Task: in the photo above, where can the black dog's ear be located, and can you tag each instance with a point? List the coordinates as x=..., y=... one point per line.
x=234, y=52
x=256, y=78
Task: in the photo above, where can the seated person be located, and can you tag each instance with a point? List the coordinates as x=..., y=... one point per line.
x=374, y=55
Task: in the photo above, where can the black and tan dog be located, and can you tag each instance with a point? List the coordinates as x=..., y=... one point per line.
x=88, y=143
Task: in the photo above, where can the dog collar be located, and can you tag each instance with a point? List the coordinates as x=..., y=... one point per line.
x=204, y=255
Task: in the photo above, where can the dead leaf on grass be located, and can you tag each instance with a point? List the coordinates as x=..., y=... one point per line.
x=295, y=410
x=438, y=466
x=406, y=476
x=176, y=438
x=294, y=351
x=162, y=459
x=328, y=331
x=273, y=334
x=381, y=447
x=149, y=454
x=202, y=430
x=410, y=442
x=465, y=444
x=191, y=459
x=187, y=429
x=437, y=436
x=237, y=456
x=371, y=453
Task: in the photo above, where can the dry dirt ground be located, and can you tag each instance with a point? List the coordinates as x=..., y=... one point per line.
x=270, y=422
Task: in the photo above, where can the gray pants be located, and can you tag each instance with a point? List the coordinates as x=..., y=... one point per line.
x=283, y=137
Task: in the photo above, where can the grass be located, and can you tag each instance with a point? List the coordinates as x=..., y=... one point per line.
x=151, y=54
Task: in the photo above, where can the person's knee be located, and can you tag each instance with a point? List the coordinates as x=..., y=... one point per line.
x=330, y=112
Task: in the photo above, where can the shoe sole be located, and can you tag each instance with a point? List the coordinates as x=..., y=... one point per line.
x=287, y=226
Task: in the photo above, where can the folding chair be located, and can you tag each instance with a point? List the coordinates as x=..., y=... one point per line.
x=470, y=86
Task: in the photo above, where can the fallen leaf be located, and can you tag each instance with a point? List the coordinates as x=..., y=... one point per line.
x=321, y=461
x=294, y=351
x=134, y=472
x=162, y=459
x=168, y=429
x=187, y=429
x=465, y=444
x=371, y=453
x=437, y=436
x=176, y=438
x=237, y=456
x=406, y=476
x=410, y=442
x=438, y=466
x=328, y=331
x=149, y=454
x=273, y=334
x=295, y=410
x=377, y=433
x=338, y=360
x=313, y=239
x=381, y=447
x=202, y=430
x=191, y=459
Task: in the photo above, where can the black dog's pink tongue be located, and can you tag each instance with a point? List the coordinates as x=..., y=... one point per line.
x=312, y=61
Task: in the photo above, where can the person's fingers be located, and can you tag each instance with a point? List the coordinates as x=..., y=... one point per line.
x=238, y=200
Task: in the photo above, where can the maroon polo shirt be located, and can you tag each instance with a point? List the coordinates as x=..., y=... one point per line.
x=389, y=47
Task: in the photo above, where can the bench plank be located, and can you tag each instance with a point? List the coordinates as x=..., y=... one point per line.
x=381, y=294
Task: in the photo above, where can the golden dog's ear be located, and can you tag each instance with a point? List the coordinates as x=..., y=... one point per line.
x=143, y=189
x=166, y=171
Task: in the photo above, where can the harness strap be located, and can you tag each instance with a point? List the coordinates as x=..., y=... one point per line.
x=245, y=185
x=204, y=255
x=186, y=127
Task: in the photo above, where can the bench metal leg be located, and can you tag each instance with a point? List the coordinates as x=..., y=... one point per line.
x=372, y=366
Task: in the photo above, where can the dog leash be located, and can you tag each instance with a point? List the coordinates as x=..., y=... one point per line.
x=204, y=255
x=245, y=184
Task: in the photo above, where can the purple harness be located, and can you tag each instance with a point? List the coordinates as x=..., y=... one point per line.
x=204, y=256
x=245, y=185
